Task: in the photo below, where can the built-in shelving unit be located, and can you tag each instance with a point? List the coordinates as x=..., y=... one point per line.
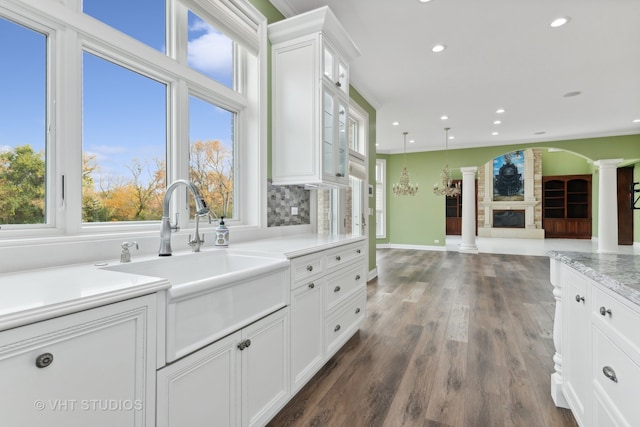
x=454, y=213
x=567, y=206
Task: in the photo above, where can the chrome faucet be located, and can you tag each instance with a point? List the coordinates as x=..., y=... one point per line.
x=166, y=228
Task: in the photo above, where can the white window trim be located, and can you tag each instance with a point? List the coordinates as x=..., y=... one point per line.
x=381, y=184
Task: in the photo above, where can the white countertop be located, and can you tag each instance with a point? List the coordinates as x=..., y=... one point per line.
x=297, y=245
x=31, y=296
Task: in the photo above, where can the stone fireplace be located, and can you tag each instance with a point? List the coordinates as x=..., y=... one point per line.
x=512, y=218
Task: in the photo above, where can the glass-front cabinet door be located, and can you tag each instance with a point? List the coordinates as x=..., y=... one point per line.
x=342, y=149
x=328, y=133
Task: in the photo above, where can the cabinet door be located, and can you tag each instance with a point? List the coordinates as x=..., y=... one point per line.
x=306, y=332
x=93, y=368
x=342, y=147
x=265, y=368
x=202, y=389
x=328, y=136
x=575, y=337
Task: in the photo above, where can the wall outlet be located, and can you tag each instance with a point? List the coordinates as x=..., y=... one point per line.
x=436, y=241
x=294, y=210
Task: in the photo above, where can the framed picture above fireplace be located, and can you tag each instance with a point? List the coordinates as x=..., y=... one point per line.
x=508, y=177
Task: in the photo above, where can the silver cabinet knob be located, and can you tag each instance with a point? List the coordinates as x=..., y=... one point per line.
x=604, y=311
x=337, y=328
x=358, y=251
x=336, y=289
x=244, y=344
x=357, y=310
x=579, y=298
x=357, y=277
x=338, y=258
x=610, y=373
x=312, y=285
x=44, y=360
x=309, y=267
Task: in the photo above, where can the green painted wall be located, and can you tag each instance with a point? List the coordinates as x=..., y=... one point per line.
x=420, y=220
x=564, y=163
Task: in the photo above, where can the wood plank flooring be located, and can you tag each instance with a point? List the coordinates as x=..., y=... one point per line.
x=451, y=340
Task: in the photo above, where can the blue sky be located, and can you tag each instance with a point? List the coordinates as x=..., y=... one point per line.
x=124, y=113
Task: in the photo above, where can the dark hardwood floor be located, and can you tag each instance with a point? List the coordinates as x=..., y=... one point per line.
x=450, y=339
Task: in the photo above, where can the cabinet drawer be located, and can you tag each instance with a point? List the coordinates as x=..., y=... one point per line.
x=342, y=284
x=609, y=359
x=305, y=268
x=344, y=254
x=344, y=322
x=614, y=314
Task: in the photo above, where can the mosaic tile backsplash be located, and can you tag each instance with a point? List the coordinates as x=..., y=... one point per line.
x=280, y=200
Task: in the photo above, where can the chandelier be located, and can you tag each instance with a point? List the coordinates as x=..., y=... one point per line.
x=446, y=188
x=404, y=187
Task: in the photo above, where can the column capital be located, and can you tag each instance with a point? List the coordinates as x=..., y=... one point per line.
x=607, y=163
x=469, y=170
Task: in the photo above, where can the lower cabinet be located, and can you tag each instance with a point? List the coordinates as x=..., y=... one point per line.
x=600, y=353
x=92, y=368
x=240, y=380
x=307, y=314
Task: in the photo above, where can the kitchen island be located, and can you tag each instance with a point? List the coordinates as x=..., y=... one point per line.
x=596, y=336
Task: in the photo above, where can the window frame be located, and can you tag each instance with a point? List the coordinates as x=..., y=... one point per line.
x=69, y=33
x=381, y=198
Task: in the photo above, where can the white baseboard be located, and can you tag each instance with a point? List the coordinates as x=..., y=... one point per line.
x=416, y=247
x=372, y=274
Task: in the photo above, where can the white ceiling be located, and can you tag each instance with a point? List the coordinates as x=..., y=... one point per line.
x=500, y=54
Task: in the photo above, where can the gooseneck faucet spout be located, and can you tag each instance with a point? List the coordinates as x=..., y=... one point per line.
x=166, y=227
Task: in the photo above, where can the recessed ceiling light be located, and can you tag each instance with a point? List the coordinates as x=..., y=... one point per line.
x=452, y=137
x=377, y=145
x=396, y=123
x=636, y=121
x=438, y=48
x=494, y=133
x=559, y=22
x=444, y=117
x=411, y=141
x=500, y=110
x=570, y=94
x=497, y=122
x=424, y=1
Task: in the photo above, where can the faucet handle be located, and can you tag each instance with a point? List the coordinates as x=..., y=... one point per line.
x=175, y=225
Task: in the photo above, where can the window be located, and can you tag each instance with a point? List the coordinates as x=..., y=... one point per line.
x=24, y=194
x=381, y=198
x=123, y=143
x=123, y=119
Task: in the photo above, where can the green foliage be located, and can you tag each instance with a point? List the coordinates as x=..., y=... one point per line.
x=22, y=186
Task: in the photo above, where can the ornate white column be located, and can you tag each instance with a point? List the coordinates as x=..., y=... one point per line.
x=607, y=205
x=468, y=244
x=556, y=376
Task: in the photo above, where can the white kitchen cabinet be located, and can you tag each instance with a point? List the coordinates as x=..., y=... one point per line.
x=311, y=53
x=328, y=299
x=91, y=368
x=576, y=299
x=600, y=352
x=240, y=380
x=307, y=314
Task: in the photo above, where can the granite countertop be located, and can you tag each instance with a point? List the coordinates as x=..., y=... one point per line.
x=620, y=273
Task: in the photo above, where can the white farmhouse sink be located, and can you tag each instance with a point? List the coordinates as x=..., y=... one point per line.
x=203, y=269
x=214, y=293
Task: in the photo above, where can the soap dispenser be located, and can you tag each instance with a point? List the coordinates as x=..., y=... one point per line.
x=222, y=234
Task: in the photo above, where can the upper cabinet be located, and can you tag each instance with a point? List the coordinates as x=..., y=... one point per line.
x=311, y=53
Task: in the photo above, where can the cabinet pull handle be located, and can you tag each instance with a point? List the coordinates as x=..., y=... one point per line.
x=312, y=285
x=44, y=360
x=610, y=373
x=358, y=251
x=604, y=311
x=357, y=310
x=337, y=328
x=309, y=267
x=336, y=289
x=338, y=258
x=338, y=84
x=339, y=175
x=579, y=298
x=357, y=277
x=244, y=344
